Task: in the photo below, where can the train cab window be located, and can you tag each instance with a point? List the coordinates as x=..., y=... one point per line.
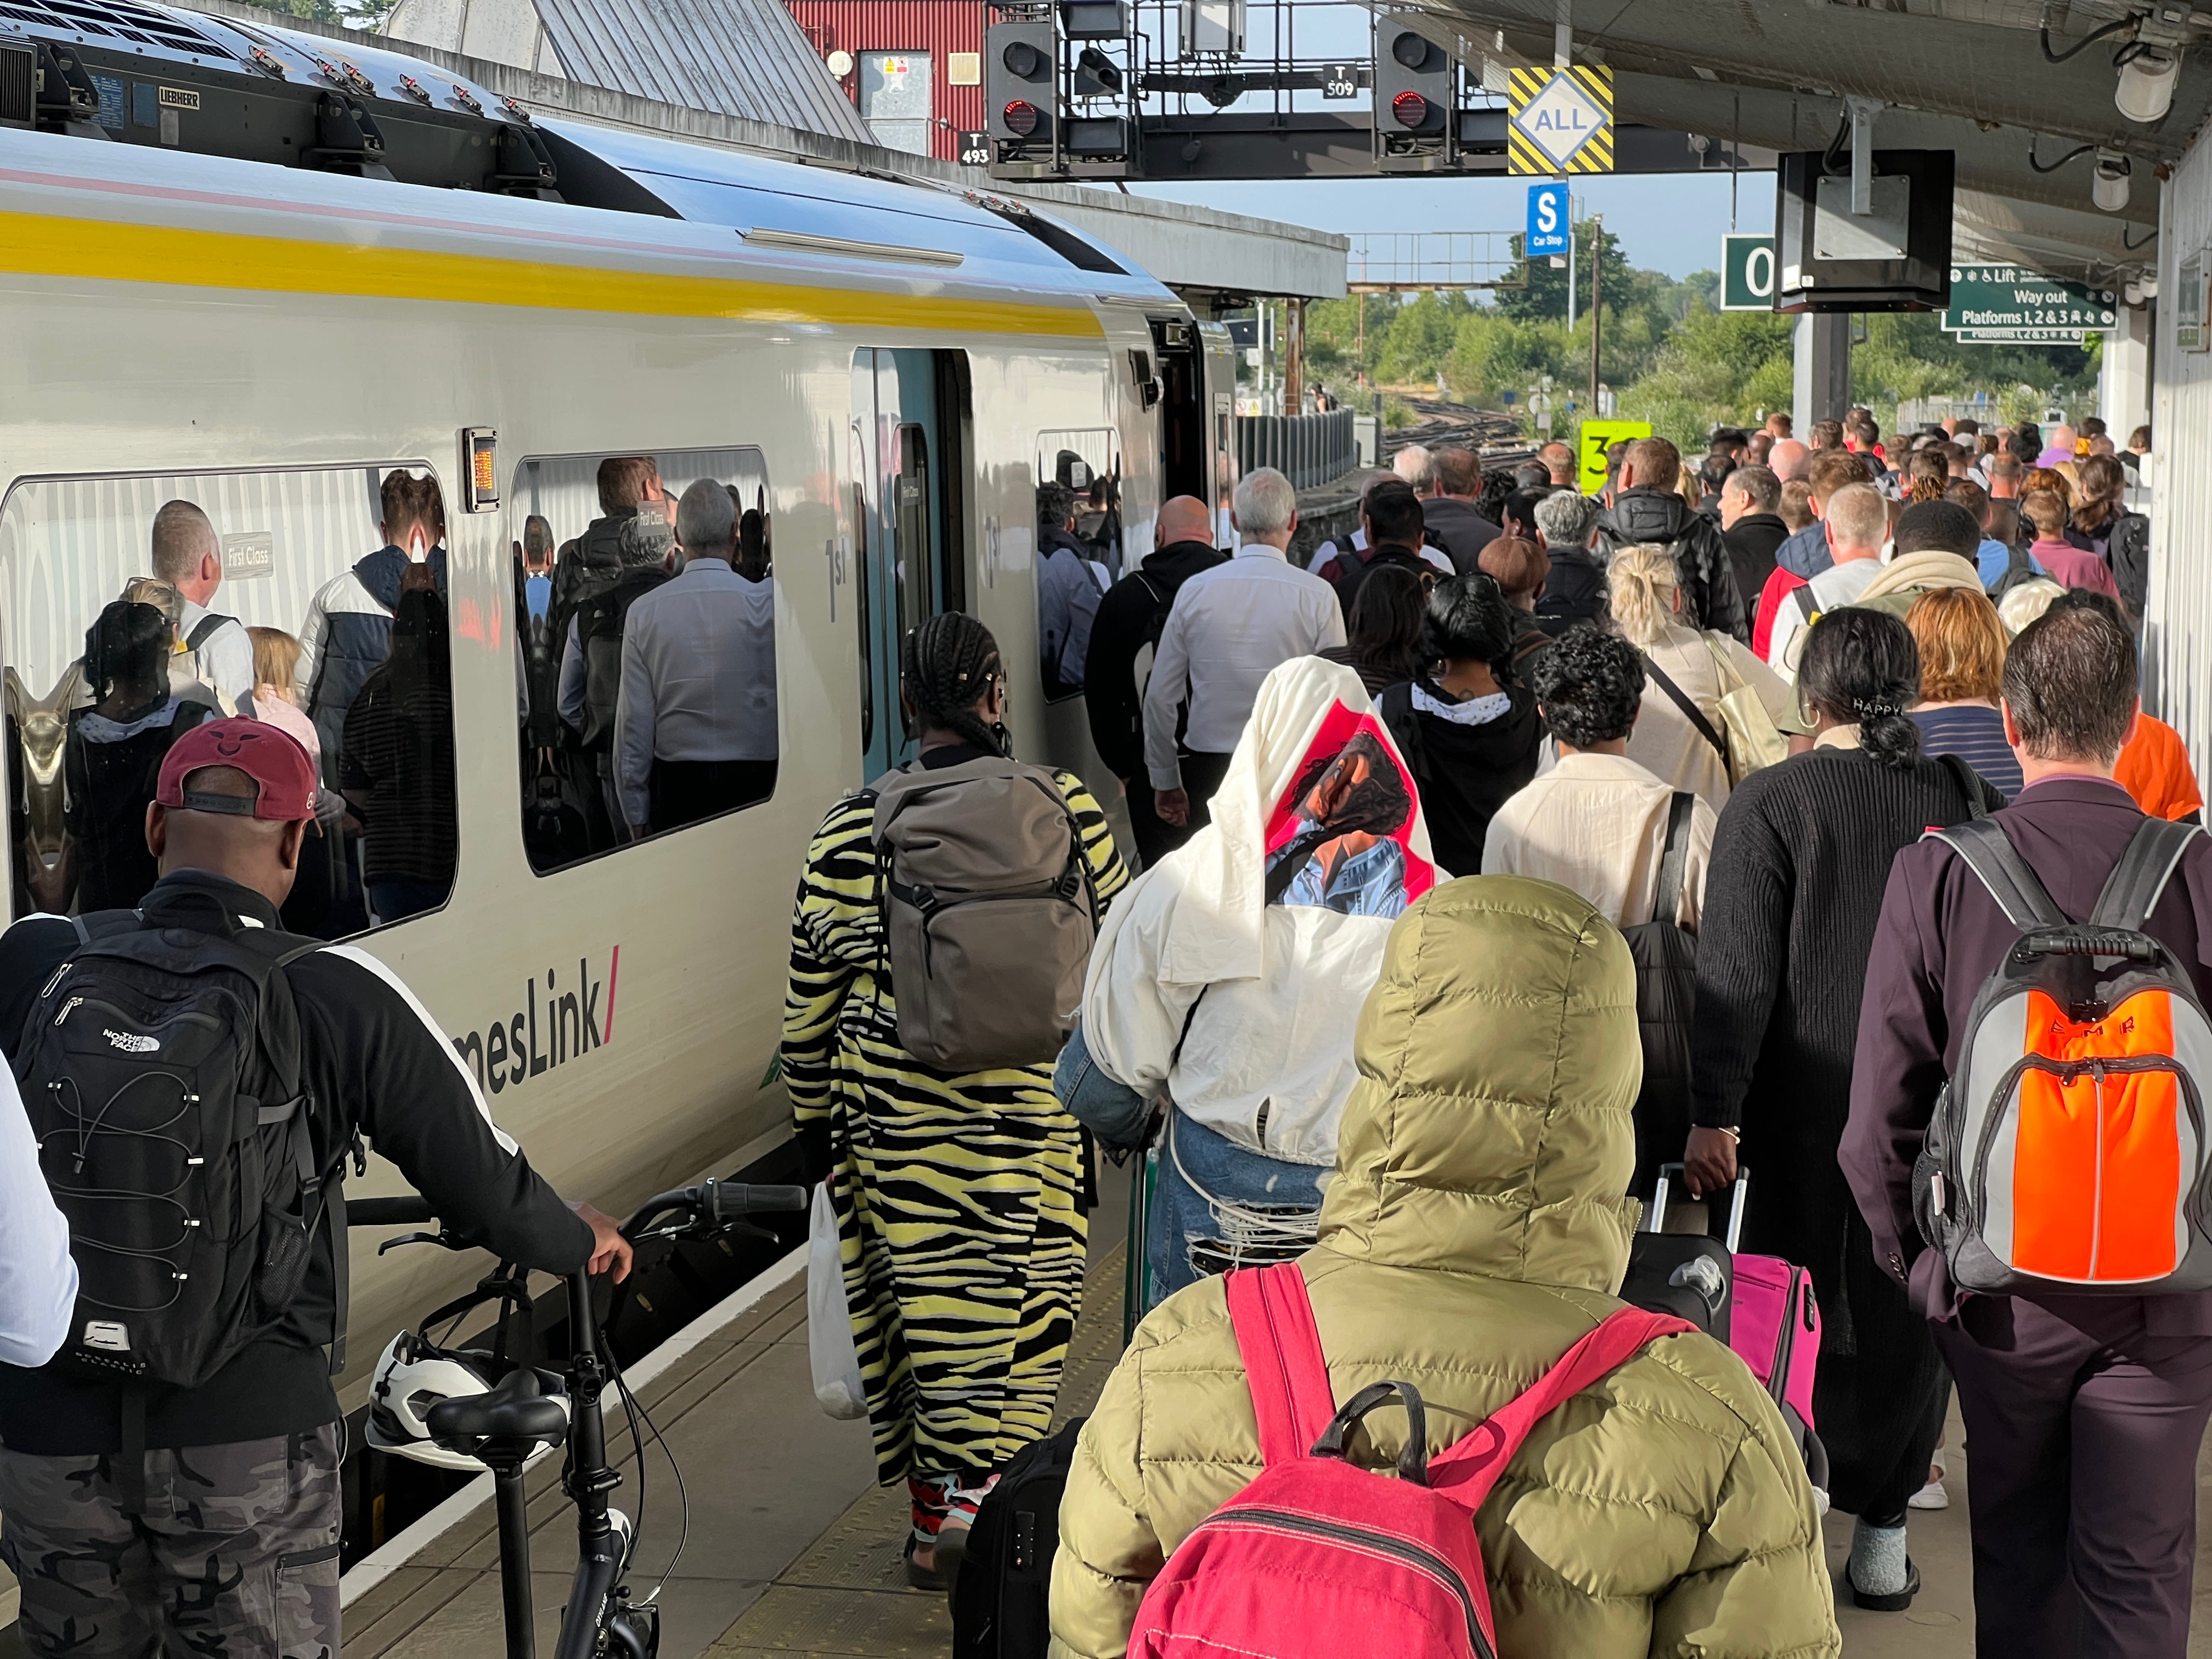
x=135, y=608
x=1078, y=500
x=645, y=670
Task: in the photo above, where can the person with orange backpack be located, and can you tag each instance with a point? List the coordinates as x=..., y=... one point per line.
x=1633, y=1490
x=2028, y=1144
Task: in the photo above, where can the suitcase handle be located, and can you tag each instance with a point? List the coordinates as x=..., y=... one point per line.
x=1656, y=1215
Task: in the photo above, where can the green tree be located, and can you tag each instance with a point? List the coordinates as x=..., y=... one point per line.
x=1544, y=290
x=1420, y=337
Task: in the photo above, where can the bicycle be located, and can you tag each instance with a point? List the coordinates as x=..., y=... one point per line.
x=504, y=1427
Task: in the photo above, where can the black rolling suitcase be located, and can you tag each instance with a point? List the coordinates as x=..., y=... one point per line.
x=999, y=1601
x=1686, y=1275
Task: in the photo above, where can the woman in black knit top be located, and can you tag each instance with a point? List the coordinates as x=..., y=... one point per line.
x=1799, y=860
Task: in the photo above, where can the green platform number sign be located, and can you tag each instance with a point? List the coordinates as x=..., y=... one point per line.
x=1746, y=273
x=1598, y=436
x=2012, y=299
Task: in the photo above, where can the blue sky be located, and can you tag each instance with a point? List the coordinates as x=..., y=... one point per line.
x=1669, y=223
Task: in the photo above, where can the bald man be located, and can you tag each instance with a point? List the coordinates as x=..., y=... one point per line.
x=1787, y=458
x=187, y=555
x=1123, y=637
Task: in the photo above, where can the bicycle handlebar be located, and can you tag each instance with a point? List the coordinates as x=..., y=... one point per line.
x=409, y=1210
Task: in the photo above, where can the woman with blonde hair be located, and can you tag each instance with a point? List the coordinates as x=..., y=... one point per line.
x=1680, y=734
x=275, y=661
x=1962, y=652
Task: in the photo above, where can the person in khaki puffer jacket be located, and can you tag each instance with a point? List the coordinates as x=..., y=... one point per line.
x=1473, y=1233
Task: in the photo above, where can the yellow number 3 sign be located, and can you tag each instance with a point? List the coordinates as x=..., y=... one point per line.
x=1597, y=437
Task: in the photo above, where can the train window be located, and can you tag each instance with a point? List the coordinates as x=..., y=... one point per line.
x=135, y=608
x=646, y=679
x=1078, y=502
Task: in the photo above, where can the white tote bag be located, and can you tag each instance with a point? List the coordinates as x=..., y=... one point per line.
x=837, y=1386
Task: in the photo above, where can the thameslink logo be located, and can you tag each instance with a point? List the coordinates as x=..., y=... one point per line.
x=576, y=1015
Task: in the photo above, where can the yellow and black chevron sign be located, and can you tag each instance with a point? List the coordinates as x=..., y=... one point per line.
x=1559, y=121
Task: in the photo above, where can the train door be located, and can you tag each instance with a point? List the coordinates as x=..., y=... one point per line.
x=1185, y=434
x=908, y=435
x=1220, y=359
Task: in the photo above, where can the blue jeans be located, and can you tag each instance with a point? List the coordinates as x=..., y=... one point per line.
x=1185, y=1239
x=1112, y=1111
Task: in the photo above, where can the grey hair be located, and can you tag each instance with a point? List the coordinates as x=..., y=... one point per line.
x=1566, y=517
x=707, y=520
x=1859, y=517
x=1416, y=465
x=1266, y=502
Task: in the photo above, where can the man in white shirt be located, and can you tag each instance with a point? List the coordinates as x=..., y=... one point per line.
x=695, y=721
x=188, y=556
x=1856, y=524
x=1229, y=627
x=1597, y=822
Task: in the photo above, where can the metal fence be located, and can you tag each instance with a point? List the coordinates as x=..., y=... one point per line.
x=1309, y=450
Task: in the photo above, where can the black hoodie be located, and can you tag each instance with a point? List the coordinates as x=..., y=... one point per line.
x=1464, y=772
x=1664, y=519
x=1129, y=618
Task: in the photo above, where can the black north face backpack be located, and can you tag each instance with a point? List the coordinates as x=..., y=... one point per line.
x=160, y=1067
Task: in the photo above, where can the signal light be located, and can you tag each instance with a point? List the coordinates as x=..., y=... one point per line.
x=1021, y=118
x=1022, y=59
x=1410, y=109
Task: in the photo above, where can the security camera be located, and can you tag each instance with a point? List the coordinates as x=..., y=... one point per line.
x=2108, y=188
x=2147, y=78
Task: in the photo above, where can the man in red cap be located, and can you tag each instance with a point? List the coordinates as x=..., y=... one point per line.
x=147, y=1512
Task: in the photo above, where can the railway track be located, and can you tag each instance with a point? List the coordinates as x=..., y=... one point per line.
x=1497, y=437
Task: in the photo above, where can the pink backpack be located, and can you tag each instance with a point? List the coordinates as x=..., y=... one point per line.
x=1317, y=1557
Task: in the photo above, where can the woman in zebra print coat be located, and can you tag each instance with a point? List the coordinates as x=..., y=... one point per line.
x=957, y=1195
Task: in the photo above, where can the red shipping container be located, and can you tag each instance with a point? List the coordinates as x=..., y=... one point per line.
x=916, y=66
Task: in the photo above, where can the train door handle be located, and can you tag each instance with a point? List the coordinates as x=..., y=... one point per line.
x=990, y=550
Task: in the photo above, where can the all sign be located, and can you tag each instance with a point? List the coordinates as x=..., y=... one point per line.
x=1559, y=121
x=1746, y=273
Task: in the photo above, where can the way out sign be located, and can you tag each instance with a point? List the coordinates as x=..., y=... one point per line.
x=1559, y=120
x=1746, y=273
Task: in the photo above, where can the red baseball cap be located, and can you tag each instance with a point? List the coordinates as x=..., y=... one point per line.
x=271, y=756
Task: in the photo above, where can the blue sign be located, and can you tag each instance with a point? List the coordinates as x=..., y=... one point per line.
x=1547, y=220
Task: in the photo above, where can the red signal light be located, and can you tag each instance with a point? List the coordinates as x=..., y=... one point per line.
x=1021, y=118
x=1410, y=109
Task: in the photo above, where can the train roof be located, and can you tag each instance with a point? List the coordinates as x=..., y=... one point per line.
x=252, y=108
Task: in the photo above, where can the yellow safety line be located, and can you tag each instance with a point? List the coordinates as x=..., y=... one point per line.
x=49, y=245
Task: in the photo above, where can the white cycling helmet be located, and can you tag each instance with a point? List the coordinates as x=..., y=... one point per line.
x=413, y=1376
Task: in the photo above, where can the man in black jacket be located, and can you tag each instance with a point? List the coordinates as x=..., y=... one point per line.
x=1390, y=514
x=1449, y=513
x=1123, y=635
x=224, y=1539
x=1752, y=526
x=1646, y=508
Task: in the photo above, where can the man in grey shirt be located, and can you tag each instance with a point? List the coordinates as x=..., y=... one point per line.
x=696, y=727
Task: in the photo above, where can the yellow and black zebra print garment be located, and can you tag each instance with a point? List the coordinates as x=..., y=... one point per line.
x=955, y=1195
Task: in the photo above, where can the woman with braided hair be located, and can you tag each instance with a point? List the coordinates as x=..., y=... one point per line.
x=1793, y=891
x=956, y=1195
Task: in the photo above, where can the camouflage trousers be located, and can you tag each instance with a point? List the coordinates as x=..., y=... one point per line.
x=234, y=1555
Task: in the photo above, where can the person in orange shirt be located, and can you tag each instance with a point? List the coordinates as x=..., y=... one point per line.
x=2154, y=765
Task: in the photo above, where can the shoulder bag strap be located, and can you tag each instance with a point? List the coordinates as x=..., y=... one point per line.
x=1682, y=701
x=1676, y=856
x=1467, y=1471
x=204, y=630
x=1280, y=1346
x=2019, y=893
x=1969, y=782
x=2131, y=891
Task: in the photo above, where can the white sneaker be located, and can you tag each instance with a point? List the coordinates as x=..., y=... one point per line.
x=1929, y=1496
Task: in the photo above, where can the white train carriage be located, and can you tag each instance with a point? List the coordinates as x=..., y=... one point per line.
x=884, y=370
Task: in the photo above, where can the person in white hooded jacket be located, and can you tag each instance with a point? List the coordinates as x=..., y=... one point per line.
x=1226, y=983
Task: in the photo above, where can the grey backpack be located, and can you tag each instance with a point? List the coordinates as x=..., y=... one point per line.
x=988, y=909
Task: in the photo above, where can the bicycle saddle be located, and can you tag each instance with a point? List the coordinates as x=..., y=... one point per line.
x=516, y=1409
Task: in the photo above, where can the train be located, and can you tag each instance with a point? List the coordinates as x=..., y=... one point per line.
x=258, y=269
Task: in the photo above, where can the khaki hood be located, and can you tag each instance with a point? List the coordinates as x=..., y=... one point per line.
x=1490, y=1131
x=1929, y=568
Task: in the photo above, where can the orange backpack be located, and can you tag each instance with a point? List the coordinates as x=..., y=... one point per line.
x=2068, y=1151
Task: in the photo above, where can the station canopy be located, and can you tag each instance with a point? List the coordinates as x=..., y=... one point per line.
x=1967, y=75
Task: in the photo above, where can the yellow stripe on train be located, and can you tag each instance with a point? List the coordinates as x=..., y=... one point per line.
x=36, y=245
